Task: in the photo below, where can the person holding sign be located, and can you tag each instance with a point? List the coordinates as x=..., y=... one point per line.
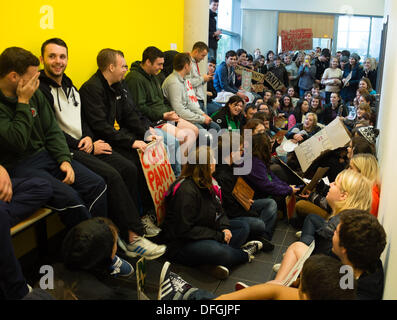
x=196, y=230
x=262, y=214
x=264, y=182
x=350, y=190
x=303, y=131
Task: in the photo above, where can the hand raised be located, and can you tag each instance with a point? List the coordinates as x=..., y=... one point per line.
x=26, y=89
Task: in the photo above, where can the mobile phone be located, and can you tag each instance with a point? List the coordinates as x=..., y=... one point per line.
x=300, y=187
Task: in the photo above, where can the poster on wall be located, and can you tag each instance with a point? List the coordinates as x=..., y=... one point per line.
x=298, y=39
x=158, y=173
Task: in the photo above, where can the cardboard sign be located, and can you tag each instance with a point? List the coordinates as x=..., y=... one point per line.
x=269, y=78
x=333, y=136
x=246, y=81
x=243, y=193
x=158, y=173
x=298, y=39
x=257, y=76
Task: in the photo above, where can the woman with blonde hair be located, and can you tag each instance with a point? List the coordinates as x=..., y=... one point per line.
x=303, y=131
x=351, y=190
x=195, y=227
x=367, y=165
x=370, y=71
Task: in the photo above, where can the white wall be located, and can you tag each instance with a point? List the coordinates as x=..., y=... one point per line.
x=387, y=153
x=259, y=30
x=357, y=7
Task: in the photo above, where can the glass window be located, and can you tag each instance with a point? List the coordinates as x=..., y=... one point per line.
x=225, y=10
x=376, y=35
x=353, y=34
x=360, y=34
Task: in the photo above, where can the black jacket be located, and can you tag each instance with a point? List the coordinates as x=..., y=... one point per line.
x=212, y=41
x=341, y=111
x=192, y=214
x=48, y=87
x=227, y=180
x=103, y=104
x=224, y=119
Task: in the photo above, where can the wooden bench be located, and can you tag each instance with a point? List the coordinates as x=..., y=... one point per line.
x=38, y=220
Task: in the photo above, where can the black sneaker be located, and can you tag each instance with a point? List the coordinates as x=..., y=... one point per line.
x=172, y=286
x=252, y=248
x=267, y=245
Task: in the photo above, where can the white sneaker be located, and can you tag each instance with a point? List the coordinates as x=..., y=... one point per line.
x=276, y=267
x=145, y=248
x=151, y=230
x=298, y=234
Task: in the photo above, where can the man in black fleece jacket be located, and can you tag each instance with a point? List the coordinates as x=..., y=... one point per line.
x=120, y=174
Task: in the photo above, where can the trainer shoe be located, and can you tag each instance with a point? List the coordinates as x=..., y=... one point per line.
x=172, y=286
x=252, y=247
x=121, y=267
x=276, y=267
x=240, y=285
x=145, y=248
x=298, y=234
x=151, y=230
x=219, y=272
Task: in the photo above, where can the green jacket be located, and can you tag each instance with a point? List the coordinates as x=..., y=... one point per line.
x=146, y=93
x=26, y=129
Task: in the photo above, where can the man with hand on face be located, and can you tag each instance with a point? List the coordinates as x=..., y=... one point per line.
x=119, y=173
x=33, y=144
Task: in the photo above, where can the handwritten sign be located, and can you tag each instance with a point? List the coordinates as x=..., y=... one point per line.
x=298, y=39
x=158, y=173
x=333, y=136
x=269, y=77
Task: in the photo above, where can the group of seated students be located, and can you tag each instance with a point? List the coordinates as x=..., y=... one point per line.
x=75, y=151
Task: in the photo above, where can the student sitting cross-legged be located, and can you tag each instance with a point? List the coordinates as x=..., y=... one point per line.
x=262, y=214
x=196, y=230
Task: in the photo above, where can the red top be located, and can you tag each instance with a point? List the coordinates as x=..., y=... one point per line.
x=375, y=200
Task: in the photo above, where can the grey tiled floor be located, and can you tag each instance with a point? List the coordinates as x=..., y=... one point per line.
x=258, y=271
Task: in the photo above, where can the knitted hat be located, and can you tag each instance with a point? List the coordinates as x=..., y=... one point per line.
x=88, y=245
x=369, y=133
x=355, y=56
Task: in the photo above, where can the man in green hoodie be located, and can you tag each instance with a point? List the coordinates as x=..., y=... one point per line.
x=145, y=89
x=34, y=146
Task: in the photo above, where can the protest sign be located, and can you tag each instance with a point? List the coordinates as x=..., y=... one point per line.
x=158, y=173
x=298, y=39
x=331, y=137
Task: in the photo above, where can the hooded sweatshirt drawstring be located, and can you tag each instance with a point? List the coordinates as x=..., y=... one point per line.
x=59, y=103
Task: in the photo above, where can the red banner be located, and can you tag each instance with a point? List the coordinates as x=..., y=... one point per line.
x=298, y=39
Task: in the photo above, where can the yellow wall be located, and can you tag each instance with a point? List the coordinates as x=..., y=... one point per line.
x=89, y=26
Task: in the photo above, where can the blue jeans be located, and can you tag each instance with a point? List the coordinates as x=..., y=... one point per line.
x=173, y=150
x=84, y=199
x=212, y=252
x=213, y=107
x=262, y=226
x=312, y=223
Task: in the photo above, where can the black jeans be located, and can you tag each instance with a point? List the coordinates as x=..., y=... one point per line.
x=121, y=176
x=144, y=197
